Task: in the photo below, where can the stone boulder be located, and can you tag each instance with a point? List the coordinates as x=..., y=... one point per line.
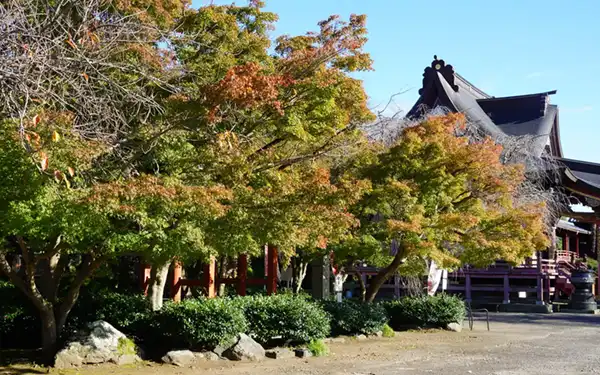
x=99, y=343
x=454, y=327
x=207, y=356
x=181, y=358
x=245, y=348
x=280, y=353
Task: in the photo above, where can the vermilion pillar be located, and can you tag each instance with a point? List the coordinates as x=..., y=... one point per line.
x=577, y=244
x=272, y=268
x=209, y=277
x=176, y=281
x=242, y=274
x=145, y=270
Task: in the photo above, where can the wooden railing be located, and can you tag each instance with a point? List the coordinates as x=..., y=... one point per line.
x=565, y=256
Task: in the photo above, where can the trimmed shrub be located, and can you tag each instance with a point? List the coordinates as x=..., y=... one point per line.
x=284, y=318
x=198, y=323
x=426, y=311
x=318, y=348
x=351, y=317
x=128, y=313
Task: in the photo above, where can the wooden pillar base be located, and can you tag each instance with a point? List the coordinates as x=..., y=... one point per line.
x=272, y=268
x=210, y=277
x=145, y=270
x=176, y=282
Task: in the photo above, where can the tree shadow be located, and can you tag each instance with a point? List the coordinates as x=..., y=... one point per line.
x=24, y=369
x=554, y=319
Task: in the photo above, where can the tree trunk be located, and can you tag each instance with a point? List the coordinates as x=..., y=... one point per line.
x=49, y=334
x=301, y=268
x=384, y=274
x=222, y=275
x=363, y=287
x=158, y=280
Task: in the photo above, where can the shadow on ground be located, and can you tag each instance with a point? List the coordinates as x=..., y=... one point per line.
x=555, y=319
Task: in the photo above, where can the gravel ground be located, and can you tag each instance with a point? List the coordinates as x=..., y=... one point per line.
x=517, y=344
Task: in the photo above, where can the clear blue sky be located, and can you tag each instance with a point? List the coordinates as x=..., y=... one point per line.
x=507, y=47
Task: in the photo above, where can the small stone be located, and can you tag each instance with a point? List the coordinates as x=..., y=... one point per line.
x=454, y=327
x=181, y=358
x=376, y=334
x=360, y=337
x=221, y=348
x=334, y=340
x=303, y=353
x=207, y=356
x=245, y=348
x=127, y=359
x=280, y=353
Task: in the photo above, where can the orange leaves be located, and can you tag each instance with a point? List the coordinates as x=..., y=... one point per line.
x=43, y=161
x=248, y=86
x=36, y=120
x=71, y=171
x=71, y=43
x=149, y=191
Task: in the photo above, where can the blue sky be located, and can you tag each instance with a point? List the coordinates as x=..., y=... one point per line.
x=506, y=47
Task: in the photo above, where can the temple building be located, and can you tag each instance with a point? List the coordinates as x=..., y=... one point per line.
x=544, y=278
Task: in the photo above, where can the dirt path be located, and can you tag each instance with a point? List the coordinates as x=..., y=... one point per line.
x=516, y=345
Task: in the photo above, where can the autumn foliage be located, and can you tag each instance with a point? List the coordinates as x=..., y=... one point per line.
x=216, y=140
x=445, y=197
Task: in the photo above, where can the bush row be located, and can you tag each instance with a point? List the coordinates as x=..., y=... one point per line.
x=206, y=323
x=437, y=311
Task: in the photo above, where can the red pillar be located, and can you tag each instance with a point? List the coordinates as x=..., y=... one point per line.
x=566, y=245
x=209, y=277
x=176, y=282
x=577, y=244
x=272, y=270
x=242, y=274
x=145, y=270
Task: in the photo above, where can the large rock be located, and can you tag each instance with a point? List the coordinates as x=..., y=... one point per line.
x=180, y=358
x=99, y=343
x=455, y=327
x=245, y=349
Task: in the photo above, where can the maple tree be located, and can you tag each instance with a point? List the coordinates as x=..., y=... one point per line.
x=263, y=125
x=443, y=196
x=210, y=145
x=82, y=76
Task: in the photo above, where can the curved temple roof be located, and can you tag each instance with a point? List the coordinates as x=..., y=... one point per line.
x=522, y=115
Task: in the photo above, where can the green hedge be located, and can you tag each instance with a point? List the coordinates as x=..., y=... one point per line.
x=435, y=311
x=130, y=314
x=199, y=323
x=284, y=318
x=352, y=317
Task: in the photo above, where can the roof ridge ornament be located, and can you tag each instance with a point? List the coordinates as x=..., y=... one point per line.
x=447, y=71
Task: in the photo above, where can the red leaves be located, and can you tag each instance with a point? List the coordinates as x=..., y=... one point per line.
x=247, y=86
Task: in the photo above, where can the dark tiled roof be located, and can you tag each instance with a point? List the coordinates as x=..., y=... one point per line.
x=514, y=115
x=585, y=171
